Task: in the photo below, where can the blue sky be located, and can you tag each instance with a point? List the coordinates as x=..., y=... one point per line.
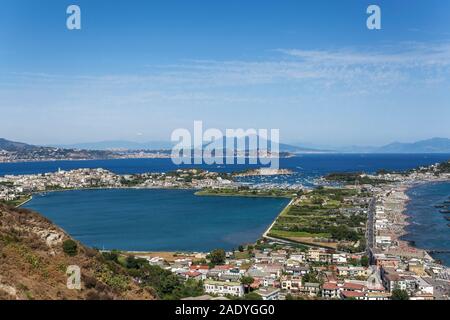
x=140, y=69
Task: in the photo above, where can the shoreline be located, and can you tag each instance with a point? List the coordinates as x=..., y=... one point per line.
x=405, y=218
x=25, y=202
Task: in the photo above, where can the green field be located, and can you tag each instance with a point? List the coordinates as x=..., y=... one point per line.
x=245, y=192
x=323, y=215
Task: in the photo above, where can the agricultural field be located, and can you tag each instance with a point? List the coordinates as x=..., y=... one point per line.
x=328, y=217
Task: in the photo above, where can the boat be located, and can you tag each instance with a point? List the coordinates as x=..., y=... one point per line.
x=439, y=206
x=444, y=211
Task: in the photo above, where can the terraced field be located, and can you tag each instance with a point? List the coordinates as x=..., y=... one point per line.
x=325, y=217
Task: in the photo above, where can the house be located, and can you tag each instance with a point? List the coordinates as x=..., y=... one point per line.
x=291, y=283
x=351, y=271
x=354, y=286
x=392, y=280
x=318, y=255
x=298, y=256
x=262, y=257
x=222, y=288
x=310, y=289
x=339, y=258
x=383, y=240
x=205, y=298
x=416, y=267
x=269, y=293
x=378, y=296
x=423, y=286
x=294, y=268
x=353, y=295
x=382, y=260
x=193, y=275
x=330, y=290
x=204, y=269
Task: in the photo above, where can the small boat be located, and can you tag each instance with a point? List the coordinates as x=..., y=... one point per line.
x=439, y=206
x=444, y=211
x=447, y=218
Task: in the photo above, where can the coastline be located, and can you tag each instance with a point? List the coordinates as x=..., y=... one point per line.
x=25, y=202
x=404, y=220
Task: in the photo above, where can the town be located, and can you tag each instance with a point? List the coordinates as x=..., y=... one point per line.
x=331, y=242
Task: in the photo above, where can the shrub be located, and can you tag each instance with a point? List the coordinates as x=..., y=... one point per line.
x=70, y=248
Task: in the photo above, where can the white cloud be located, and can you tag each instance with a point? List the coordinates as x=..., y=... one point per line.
x=355, y=71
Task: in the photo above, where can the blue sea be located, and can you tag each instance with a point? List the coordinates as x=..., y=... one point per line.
x=428, y=227
x=306, y=167
x=177, y=220
x=158, y=220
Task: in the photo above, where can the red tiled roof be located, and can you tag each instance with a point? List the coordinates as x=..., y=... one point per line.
x=256, y=283
x=353, y=286
x=225, y=267
x=352, y=294
x=330, y=286
x=199, y=267
x=192, y=274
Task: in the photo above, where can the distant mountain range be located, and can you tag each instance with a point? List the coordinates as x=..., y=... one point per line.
x=18, y=151
x=167, y=145
x=119, y=145
x=434, y=145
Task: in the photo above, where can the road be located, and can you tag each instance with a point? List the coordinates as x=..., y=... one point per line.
x=370, y=226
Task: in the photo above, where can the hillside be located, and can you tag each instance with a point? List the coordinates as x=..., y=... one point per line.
x=33, y=263
x=435, y=145
x=13, y=146
x=18, y=151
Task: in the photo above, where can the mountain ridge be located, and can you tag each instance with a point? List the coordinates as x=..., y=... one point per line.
x=433, y=145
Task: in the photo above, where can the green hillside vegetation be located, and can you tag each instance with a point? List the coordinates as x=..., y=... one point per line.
x=35, y=254
x=353, y=177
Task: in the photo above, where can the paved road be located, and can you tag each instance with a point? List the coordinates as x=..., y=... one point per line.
x=370, y=226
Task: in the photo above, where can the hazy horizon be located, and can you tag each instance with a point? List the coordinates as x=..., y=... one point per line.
x=136, y=71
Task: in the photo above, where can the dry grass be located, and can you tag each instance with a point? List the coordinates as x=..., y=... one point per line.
x=33, y=264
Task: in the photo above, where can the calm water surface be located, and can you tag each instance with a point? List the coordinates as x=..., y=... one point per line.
x=428, y=227
x=158, y=220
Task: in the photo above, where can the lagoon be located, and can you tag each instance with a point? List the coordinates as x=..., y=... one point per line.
x=158, y=220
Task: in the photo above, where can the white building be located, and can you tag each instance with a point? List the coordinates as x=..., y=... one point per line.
x=269, y=293
x=223, y=288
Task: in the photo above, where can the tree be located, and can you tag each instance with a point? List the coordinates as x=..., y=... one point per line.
x=70, y=247
x=217, y=256
x=365, y=261
x=398, y=294
x=241, y=248
x=252, y=296
x=247, y=281
x=111, y=256
x=289, y=297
